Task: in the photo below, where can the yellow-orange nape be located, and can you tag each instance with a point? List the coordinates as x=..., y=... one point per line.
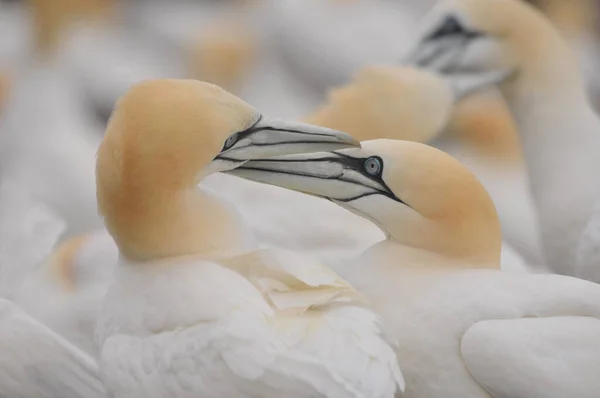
x=389, y=102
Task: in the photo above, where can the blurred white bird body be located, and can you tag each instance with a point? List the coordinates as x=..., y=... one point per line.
x=474, y=331
x=588, y=251
x=51, y=155
x=29, y=231
x=249, y=343
x=66, y=291
x=37, y=363
x=561, y=142
x=192, y=291
x=326, y=42
x=14, y=35
x=105, y=58
x=47, y=168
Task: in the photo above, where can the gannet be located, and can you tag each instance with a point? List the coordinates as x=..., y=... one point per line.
x=558, y=129
x=37, y=363
x=195, y=309
x=465, y=328
x=415, y=105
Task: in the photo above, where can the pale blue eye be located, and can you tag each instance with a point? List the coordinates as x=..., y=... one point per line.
x=230, y=141
x=373, y=166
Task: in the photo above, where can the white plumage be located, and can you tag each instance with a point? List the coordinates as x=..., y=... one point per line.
x=48, y=144
x=464, y=328
x=481, y=333
x=197, y=323
x=38, y=363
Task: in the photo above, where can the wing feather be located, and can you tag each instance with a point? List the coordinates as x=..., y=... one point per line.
x=35, y=362
x=553, y=357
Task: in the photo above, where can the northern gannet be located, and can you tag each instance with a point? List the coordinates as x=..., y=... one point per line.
x=465, y=328
x=559, y=131
x=37, y=363
x=415, y=105
x=195, y=309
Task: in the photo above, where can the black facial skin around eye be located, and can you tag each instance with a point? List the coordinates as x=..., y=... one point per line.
x=232, y=139
x=452, y=27
x=358, y=164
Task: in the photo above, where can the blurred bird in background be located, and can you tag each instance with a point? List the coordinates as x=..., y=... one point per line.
x=339, y=64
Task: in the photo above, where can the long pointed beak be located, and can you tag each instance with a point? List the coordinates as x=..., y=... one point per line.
x=270, y=137
x=330, y=175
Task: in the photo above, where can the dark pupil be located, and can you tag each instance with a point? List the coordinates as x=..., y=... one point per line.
x=450, y=27
x=372, y=166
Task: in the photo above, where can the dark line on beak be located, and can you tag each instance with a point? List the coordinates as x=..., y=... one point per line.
x=270, y=128
x=389, y=193
x=292, y=143
x=333, y=177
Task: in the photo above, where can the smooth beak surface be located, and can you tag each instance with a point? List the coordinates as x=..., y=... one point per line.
x=329, y=175
x=270, y=137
